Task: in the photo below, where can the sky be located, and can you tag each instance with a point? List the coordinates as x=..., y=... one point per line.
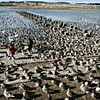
x=71, y=1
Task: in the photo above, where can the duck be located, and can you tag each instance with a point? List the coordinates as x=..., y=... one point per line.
x=23, y=77
x=7, y=69
x=25, y=87
x=13, y=75
x=67, y=98
x=11, y=69
x=54, y=68
x=91, y=77
x=39, y=69
x=44, y=89
x=61, y=85
x=72, y=71
x=52, y=81
x=2, y=64
x=20, y=68
x=78, y=71
x=27, y=95
x=95, y=81
x=91, y=61
x=38, y=83
x=95, y=95
x=71, y=94
x=43, y=75
x=49, y=97
x=97, y=89
x=98, y=69
x=24, y=93
x=8, y=94
x=56, y=82
x=84, y=88
x=6, y=86
x=87, y=63
x=90, y=84
x=69, y=77
x=11, y=66
x=25, y=74
x=77, y=79
x=87, y=68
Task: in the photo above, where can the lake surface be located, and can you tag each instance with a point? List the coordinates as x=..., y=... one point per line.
x=83, y=16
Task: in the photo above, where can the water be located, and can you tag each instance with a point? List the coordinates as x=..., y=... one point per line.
x=82, y=16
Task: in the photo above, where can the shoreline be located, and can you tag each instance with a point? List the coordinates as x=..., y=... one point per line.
x=68, y=7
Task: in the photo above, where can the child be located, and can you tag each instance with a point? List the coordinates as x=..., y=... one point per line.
x=11, y=51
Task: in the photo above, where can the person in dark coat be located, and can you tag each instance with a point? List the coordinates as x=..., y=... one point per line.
x=30, y=45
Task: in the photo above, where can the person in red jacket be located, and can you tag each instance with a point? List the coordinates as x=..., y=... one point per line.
x=11, y=51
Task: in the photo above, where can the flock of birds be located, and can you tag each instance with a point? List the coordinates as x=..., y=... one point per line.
x=13, y=20
x=11, y=24
x=75, y=72
x=44, y=81
x=59, y=39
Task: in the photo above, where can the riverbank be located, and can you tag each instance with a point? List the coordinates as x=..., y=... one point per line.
x=57, y=6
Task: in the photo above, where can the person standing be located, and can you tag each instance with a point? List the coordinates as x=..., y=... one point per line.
x=30, y=45
x=11, y=51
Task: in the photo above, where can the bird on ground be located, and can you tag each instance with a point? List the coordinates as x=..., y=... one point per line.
x=8, y=94
x=49, y=97
x=62, y=85
x=71, y=94
x=95, y=96
x=25, y=87
x=84, y=88
x=38, y=83
x=91, y=76
x=97, y=89
x=78, y=71
x=29, y=95
x=45, y=89
x=77, y=79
